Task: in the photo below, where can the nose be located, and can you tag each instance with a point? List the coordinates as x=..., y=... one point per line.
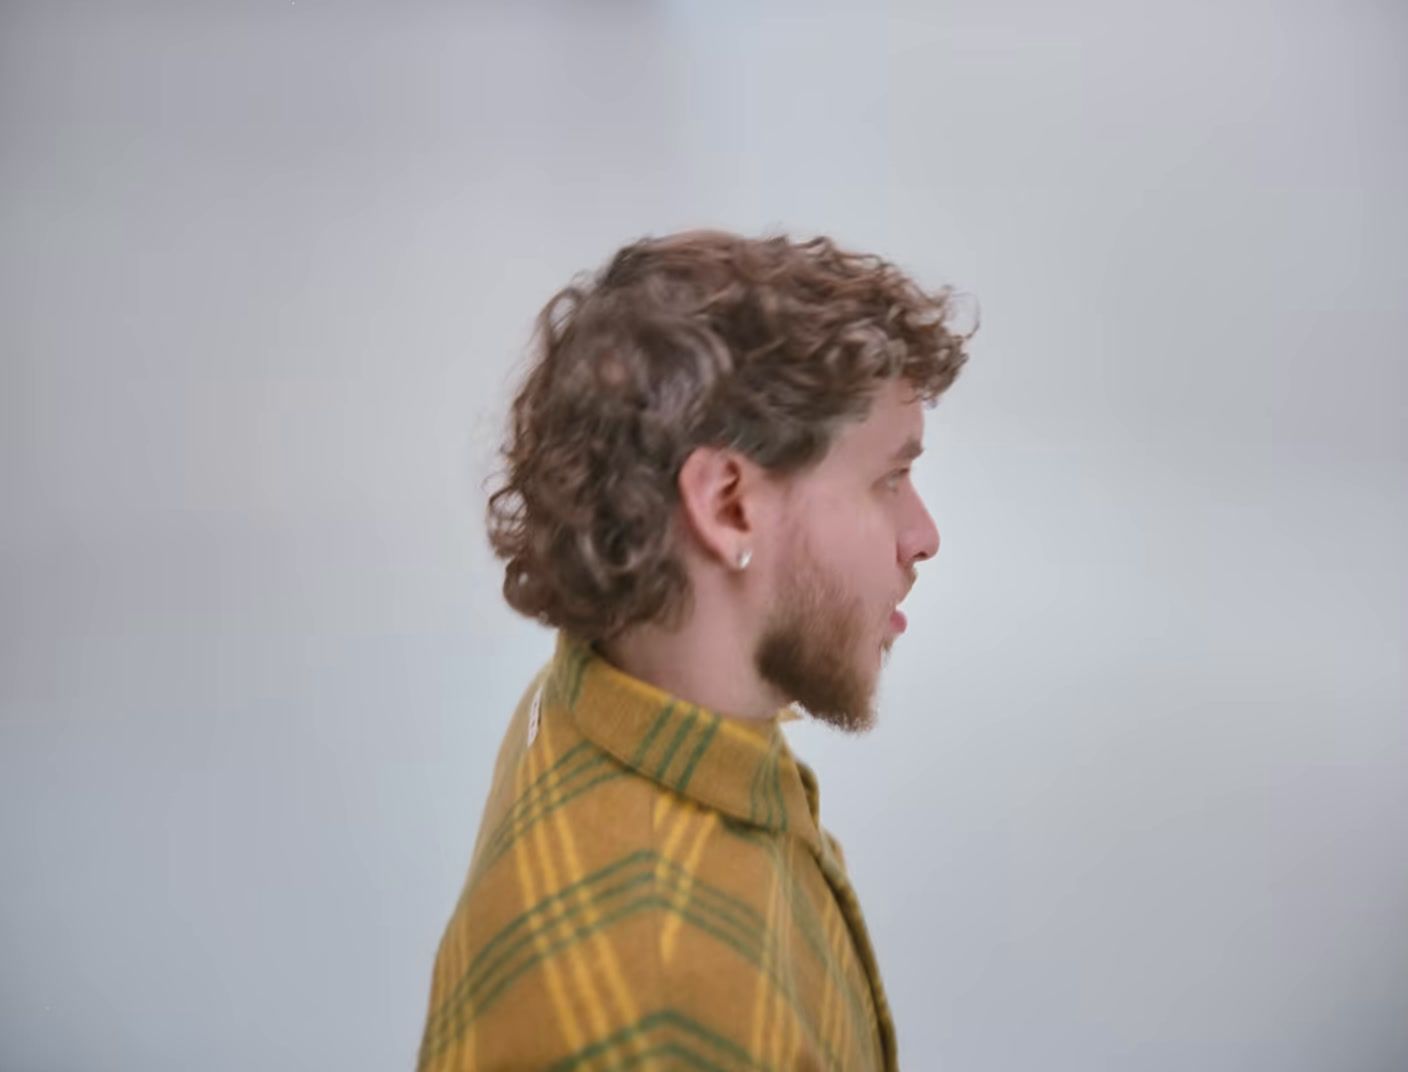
x=921, y=537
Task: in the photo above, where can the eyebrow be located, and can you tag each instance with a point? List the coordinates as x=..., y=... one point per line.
x=911, y=450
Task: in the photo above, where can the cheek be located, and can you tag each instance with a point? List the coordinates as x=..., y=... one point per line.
x=852, y=542
x=861, y=556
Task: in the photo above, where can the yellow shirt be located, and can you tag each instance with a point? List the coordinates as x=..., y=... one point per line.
x=651, y=889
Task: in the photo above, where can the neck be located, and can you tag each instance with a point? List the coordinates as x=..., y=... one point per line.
x=711, y=667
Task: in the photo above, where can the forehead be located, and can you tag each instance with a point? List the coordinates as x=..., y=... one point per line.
x=896, y=417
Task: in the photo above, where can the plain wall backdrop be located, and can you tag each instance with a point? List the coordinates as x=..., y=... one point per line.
x=1138, y=798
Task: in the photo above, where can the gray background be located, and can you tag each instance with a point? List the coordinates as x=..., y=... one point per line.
x=1139, y=798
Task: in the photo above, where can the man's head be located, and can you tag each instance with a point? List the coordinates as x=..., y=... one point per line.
x=708, y=398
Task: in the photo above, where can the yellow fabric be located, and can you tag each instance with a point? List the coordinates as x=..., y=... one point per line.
x=651, y=889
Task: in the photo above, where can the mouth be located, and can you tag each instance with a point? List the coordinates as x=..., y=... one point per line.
x=898, y=622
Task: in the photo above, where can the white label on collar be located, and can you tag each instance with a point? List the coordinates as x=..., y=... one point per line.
x=535, y=715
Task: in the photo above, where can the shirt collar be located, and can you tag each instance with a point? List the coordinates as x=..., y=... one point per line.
x=741, y=767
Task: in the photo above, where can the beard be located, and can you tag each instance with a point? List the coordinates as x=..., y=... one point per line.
x=812, y=648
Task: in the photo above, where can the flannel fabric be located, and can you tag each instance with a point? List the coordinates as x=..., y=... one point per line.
x=651, y=889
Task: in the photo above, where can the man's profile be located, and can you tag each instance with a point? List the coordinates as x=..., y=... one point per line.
x=706, y=494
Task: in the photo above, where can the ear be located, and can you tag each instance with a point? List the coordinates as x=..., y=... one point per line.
x=718, y=493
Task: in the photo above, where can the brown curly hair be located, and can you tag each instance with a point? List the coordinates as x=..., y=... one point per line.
x=761, y=345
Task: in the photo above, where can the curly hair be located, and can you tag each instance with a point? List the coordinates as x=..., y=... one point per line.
x=705, y=338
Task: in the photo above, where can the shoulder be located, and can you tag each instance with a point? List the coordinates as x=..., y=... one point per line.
x=605, y=914
x=554, y=922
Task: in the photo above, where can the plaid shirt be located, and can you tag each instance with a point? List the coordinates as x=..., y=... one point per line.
x=651, y=889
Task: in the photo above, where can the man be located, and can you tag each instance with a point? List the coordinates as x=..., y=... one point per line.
x=707, y=494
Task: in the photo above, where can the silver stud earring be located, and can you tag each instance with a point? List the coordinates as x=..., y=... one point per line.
x=744, y=557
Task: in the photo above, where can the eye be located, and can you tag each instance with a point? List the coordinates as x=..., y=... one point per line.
x=893, y=480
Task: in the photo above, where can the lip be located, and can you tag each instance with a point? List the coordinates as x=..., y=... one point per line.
x=898, y=622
